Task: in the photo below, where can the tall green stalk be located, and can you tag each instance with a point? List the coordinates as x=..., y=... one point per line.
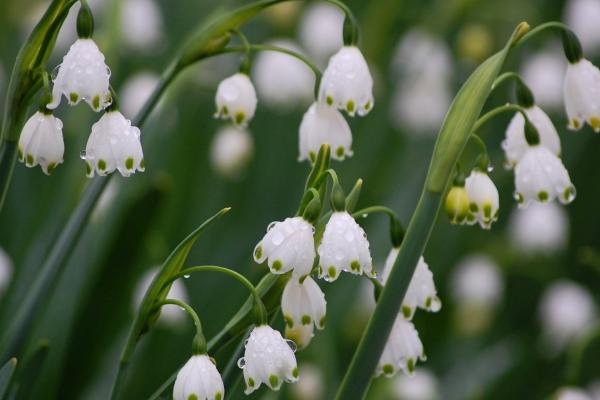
x=452, y=139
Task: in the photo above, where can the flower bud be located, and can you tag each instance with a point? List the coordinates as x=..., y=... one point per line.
x=457, y=205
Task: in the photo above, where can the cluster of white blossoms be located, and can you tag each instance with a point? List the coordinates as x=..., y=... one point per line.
x=404, y=348
x=83, y=75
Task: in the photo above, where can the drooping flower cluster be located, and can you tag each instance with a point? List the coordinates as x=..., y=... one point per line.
x=83, y=75
x=404, y=348
x=199, y=379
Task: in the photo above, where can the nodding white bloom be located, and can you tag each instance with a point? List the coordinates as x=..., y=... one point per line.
x=344, y=248
x=303, y=303
x=541, y=175
x=288, y=245
x=567, y=311
x=283, y=81
x=268, y=359
x=83, y=75
x=170, y=315
x=422, y=385
x=6, y=270
x=476, y=281
x=324, y=125
x=539, y=229
x=236, y=99
x=483, y=198
x=402, y=350
x=582, y=16
x=419, y=55
x=231, y=150
x=142, y=24
x=347, y=83
x=421, y=291
x=457, y=205
x=582, y=95
x=301, y=335
x=41, y=142
x=113, y=144
x=515, y=145
x=136, y=90
x=199, y=379
x=544, y=72
x=571, y=393
x=321, y=30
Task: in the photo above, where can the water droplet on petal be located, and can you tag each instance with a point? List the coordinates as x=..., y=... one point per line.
x=277, y=238
x=292, y=345
x=241, y=362
x=365, y=215
x=186, y=276
x=82, y=155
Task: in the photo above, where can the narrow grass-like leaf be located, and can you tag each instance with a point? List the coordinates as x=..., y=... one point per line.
x=6, y=373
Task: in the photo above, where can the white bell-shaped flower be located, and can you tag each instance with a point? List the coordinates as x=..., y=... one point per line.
x=142, y=25
x=301, y=335
x=268, y=359
x=515, y=144
x=582, y=16
x=402, y=350
x=543, y=71
x=113, y=144
x=541, y=175
x=567, y=312
x=539, y=229
x=571, y=393
x=231, y=150
x=312, y=384
x=582, y=95
x=283, y=81
x=344, y=248
x=136, y=90
x=483, y=197
x=303, y=303
x=288, y=245
x=236, y=99
x=41, y=142
x=421, y=291
x=199, y=379
x=347, y=83
x=83, y=75
x=324, y=125
x=476, y=281
x=422, y=385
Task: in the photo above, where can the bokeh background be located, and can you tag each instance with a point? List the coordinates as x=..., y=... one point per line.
x=519, y=317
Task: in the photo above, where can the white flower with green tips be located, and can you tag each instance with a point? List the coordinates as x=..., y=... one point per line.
x=199, y=379
x=402, y=350
x=344, y=248
x=324, y=125
x=269, y=359
x=113, y=144
x=83, y=75
x=288, y=245
x=301, y=335
x=303, y=303
x=347, y=83
x=236, y=99
x=421, y=292
x=541, y=176
x=483, y=198
x=582, y=95
x=515, y=145
x=41, y=142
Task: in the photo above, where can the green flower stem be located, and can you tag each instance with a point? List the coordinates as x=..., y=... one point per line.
x=266, y=47
x=506, y=77
x=259, y=307
x=199, y=344
x=576, y=353
x=374, y=209
x=497, y=111
x=543, y=27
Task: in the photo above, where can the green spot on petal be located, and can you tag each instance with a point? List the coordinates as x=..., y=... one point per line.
x=129, y=163
x=329, y=100
x=473, y=207
x=277, y=265
x=258, y=252
x=73, y=97
x=101, y=165
x=240, y=117
x=543, y=196
x=331, y=272
x=306, y=319
x=388, y=369
x=410, y=365
x=350, y=106
x=20, y=154
x=406, y=311
x=88, y=168
x=322, y=322
x=218, y=396
x=250, y=382
x=487, y=211
x=288, y=321
x=142, y=164
x=355, y=266
x=192, y=397
x=29, y=160
x=51, y=167
x=96, y=102
x=274, y=381
x=339, y=152
x=295, y=372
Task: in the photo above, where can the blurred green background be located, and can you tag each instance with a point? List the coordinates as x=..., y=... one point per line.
x=86, y=318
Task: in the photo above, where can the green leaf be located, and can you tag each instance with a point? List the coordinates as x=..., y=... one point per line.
x=159, y=288
x=463, y=113
x=30, y=370
x=6, y=373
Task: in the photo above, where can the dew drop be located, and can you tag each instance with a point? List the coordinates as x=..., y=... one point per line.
x=365, y=215
x=241, y=363
x=277, y=238
x=292, y=345
x=186, y=276
x=83, y=155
